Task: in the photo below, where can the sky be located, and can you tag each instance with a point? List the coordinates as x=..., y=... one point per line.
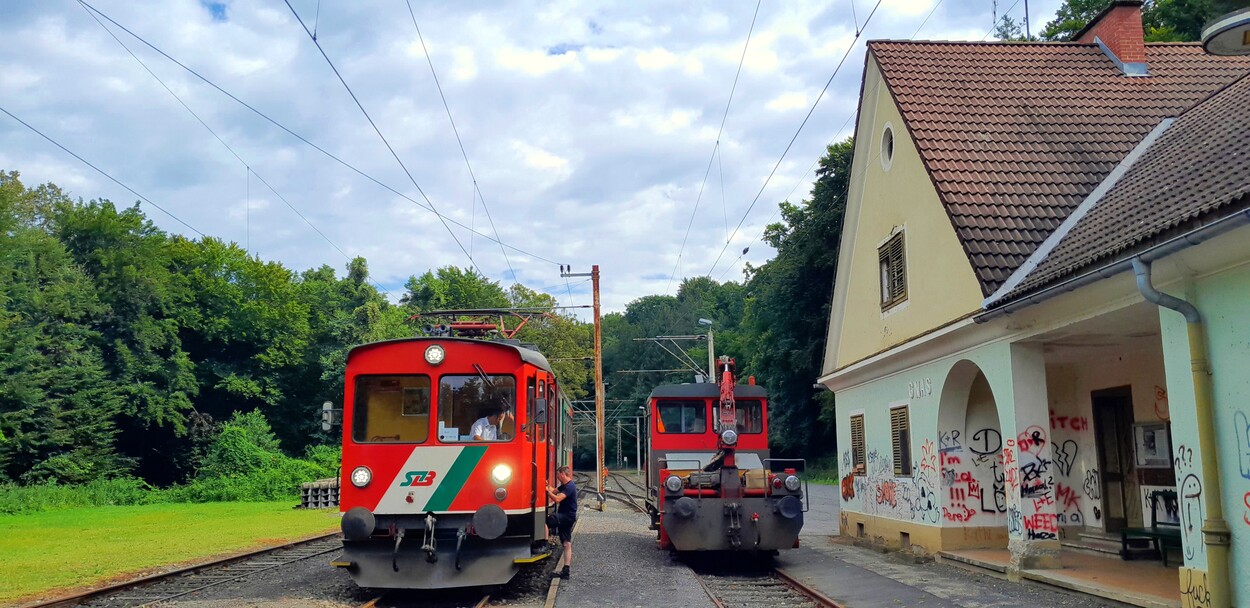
x=590, y=127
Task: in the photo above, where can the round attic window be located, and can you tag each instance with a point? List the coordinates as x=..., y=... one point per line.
x=887, y=146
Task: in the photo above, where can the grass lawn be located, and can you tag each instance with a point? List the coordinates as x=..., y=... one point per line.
x=64, y=549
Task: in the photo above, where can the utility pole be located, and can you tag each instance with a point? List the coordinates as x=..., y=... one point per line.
x=618, y=443
x=638, y=443
x=1028, y=35
x=711, y=352
x=594, y=282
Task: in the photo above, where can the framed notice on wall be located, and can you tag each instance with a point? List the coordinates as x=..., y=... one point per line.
x=1151, y=447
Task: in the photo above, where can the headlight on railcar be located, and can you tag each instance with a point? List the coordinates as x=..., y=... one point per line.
x=435, y=354
x=501, y=473
x=673, y=484
x=729, y=437
x=361, y=476
x=792, y=483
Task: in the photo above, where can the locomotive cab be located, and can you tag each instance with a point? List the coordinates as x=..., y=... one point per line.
x=448, y=444
x=712, y=484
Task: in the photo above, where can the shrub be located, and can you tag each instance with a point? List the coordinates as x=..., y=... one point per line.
x=245, y=444
x=15, y=499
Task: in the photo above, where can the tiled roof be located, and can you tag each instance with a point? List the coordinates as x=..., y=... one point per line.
x=1199, y=168
x=1015, y=135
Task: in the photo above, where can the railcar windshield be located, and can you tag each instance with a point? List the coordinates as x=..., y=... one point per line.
x=682, y=417
x=391, y=409
x=750, y=416
x=487, y=403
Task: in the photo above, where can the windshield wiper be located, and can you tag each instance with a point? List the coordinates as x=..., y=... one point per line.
x=486, y=379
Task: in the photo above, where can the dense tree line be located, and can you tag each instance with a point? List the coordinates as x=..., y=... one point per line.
x=126, y=348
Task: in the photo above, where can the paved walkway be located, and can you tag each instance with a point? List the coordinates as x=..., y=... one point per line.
x=616, y=563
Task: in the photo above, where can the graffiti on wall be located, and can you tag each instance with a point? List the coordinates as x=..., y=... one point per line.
x=1071, y=423
x=1161, y=404
x=972, y=475
x=1242, y=426
x=1195, y=593
x=1065, y=456
x=986, y=442
x=1192, y=515
x=1068, y=505
x=881, y=493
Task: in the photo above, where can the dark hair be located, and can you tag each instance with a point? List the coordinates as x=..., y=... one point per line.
x=496, y=407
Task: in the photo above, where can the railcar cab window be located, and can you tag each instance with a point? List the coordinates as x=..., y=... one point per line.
x=750, y=416
x=682, y=417
x=464, y=400
x=391, y=409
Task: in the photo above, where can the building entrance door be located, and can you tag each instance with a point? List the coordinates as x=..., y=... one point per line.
x=1113, y=431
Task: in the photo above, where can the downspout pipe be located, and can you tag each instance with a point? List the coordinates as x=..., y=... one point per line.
x=1215, y=533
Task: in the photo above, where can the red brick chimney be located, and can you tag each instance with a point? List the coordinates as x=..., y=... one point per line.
x=1118, y=27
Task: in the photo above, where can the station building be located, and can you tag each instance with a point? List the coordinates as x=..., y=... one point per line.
x=1009, y=381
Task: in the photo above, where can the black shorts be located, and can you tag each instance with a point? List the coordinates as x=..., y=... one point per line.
x=563, y=525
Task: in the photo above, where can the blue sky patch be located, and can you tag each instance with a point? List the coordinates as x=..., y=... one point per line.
x=564, y=47
x=216, y=9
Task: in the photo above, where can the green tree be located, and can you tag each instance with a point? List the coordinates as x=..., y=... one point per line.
x=1163, y=20
x=788, y=313
x=450, y=288
x=57, y=404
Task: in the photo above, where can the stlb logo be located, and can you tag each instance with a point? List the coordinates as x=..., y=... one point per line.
x=418, y=478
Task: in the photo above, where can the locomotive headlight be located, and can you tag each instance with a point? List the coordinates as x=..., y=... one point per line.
x=361, y=476
x=435, y=354
x=501, y=473
x=729, y=437
x=673, y=484
x=792, y=483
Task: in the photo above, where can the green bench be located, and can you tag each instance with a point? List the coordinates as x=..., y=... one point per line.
x=1158, y=538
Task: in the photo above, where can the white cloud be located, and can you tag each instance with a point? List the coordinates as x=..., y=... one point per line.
x=788, y=101
x=579, y=121
x=535, y=62
x=538, y=158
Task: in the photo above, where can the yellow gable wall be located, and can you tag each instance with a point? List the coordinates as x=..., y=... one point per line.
x=941, y=285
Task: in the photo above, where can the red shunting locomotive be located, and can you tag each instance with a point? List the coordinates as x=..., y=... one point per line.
x=432, y=498
x=712, y=485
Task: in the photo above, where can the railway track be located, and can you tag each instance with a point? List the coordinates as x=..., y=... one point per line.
x=172, y=585
x=620, y=494
x=762, y=589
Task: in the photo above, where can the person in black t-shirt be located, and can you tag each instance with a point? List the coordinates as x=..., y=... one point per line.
x=565, y=497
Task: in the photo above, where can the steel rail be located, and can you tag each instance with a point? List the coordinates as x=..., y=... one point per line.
x=79, y=598
x=776, y=587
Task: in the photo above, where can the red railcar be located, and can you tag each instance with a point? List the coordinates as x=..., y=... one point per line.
x=426, y=505
x=711, y=482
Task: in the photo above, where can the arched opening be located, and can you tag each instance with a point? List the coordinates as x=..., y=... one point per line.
x=970, y=444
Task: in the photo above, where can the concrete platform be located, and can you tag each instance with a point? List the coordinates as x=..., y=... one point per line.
x=1136, y=583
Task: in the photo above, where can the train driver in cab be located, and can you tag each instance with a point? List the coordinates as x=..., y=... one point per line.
x=486, y=428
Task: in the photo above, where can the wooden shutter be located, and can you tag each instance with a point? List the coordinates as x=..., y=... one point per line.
x=893, y=271
x=900, y=432
x=857, y=444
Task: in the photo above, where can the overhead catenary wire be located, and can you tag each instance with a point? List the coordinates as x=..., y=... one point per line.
x=250, y=172
x=814, y=163
x=715, y=147
x=381, y=136
x=858, y=32
x=102, y=172
x=307, y=141
x=476, y=188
